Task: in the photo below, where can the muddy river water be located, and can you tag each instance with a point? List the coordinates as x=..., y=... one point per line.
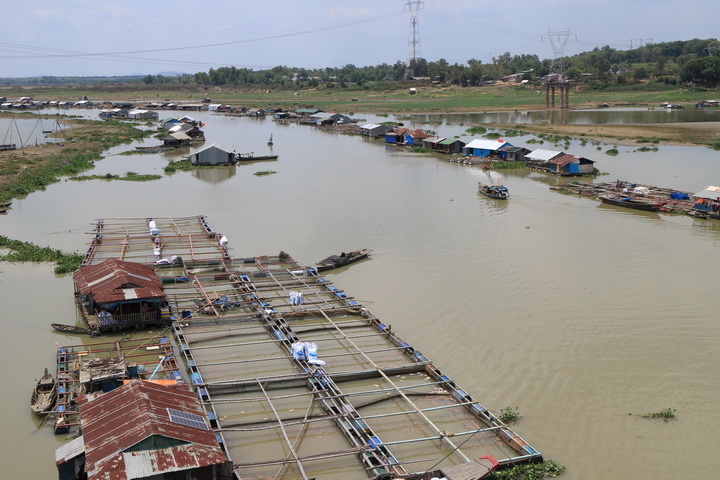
x=581, y=315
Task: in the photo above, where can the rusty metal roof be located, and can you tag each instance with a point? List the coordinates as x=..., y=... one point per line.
x=115, y=422
x=565, y=159
x=115, y=281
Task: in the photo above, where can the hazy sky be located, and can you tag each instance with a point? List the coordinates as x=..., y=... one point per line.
x=83, y=37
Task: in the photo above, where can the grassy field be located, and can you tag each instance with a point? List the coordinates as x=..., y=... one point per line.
x=381, y=98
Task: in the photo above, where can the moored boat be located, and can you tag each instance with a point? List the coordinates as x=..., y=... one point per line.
x=336, y=261
x=494, y=191
x=630, y=202
x=69, y=328
x=44, y=394
x=250, y=157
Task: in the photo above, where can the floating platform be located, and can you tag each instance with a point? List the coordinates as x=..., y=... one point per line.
x=102, y=366
x=368, y=404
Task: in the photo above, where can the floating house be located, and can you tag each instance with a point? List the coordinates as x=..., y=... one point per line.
x=143, y=430
x=114, y=295
x=706, y=202
x=177, y=139
x=374, y=129
x=168, y=123
x=514, y=154
x=192, y=130
x=481, y=147
x=123, y=105
x=325, y=118
x=571, y=165
x=407, y=136
x=542, y=156
x=142, y=114
x=214, y=154
x=198, y=107
x=306, y=112
x=451, y=145
x=432, y=143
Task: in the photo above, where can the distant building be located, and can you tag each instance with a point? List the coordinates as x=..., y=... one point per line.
x=374, y=129
x=571, y=165
x=407, y=136
x=514, y=154
x=177, y=139
x=432, y=143
x=542, y=156
x=326, y=118
x=451, y=145
x=481, y=147
x=142, y=114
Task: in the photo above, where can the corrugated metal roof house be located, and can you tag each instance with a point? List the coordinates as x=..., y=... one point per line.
x=514, y=154
x=432, y=142
x=117, y=281
x=115, y=294
x=214, y=154
x=142, y=114
x=482, y=147
x=412, y=137
x=145, y=430
x=177, y=139
x=541, y=155
x=327, y=118
x=451, y=145
x=571, y=165
x=374, y=129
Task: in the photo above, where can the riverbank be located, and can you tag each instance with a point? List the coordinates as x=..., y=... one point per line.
x=27, y=169
x=691, y=133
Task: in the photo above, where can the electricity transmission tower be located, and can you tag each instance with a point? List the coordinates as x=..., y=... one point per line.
x=558, y=42
x=414, y=40
x=556, y=79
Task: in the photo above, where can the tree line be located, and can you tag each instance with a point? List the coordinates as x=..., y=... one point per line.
x=692, y=61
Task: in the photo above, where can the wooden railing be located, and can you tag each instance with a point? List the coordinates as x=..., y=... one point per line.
x=129, y=319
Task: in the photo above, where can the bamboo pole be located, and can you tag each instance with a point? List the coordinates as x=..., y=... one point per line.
x=284, y=433
x=410, y=402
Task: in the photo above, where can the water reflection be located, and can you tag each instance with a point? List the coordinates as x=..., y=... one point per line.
x=214, y=175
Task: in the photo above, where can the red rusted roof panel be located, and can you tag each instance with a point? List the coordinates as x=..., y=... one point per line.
x=115, y=280
x=565, y=159
x=115, y=421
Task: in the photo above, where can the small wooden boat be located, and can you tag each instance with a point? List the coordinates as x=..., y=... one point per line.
x=154, y=149
x=630, y=202
x=44, y=394
x=251, y=157
x=69, y=328
x=336, y=261
x=494, y=191
x=5, y=204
